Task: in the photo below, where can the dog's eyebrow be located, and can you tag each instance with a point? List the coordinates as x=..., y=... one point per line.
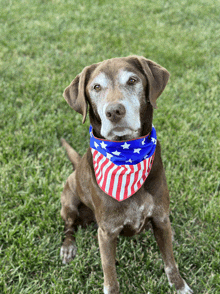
x=101, y=79
x=125, y=74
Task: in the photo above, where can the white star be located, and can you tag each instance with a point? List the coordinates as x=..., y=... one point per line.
x=129, y=161
x=103, y=145
x=145, y=156
x=108, y=155
x=154, y=140
x=125, y=145
x=137, y=150
x=116, y=153
x=91, y=134
x=96, y=145
x=143, y=142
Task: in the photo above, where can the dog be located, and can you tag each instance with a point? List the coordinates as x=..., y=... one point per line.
x=121, y=94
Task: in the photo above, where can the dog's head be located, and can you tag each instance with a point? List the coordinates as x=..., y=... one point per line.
x=121, y=93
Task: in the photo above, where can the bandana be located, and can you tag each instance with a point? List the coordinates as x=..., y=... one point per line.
x=122, y=167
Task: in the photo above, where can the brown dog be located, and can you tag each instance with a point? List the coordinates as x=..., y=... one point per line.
x=121, y=93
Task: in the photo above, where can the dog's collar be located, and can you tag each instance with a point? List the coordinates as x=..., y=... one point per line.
x=121, y=168
x=125, y=152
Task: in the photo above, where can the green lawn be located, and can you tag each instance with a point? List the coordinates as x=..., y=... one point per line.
x=44, y=44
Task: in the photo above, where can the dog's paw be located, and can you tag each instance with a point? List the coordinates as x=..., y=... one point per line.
x=185, y=290
x=67, y=252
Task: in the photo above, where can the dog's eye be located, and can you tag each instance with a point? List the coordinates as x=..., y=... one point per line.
x=131, y=81
x=97, y=87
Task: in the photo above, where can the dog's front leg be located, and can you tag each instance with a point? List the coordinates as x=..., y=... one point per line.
x=107, y=245
x=163, y=235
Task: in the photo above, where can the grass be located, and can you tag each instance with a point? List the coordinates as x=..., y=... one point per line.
x=44, y=45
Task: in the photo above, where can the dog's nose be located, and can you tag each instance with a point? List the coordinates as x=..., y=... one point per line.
x=115, y=112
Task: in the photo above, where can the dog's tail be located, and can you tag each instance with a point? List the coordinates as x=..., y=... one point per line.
x=73, y=156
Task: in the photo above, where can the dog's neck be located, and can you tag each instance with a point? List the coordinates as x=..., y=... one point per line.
x=146, y=117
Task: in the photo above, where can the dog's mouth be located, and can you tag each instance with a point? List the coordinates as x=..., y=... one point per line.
x=122, y=134
x=121, y=138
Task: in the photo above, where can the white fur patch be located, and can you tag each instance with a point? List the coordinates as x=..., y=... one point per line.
x=150, y=210
x=102, y=80
x=124, y=76
x=105, y=290
x=168, y=271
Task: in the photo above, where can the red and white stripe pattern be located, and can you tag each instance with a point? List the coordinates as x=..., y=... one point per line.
x=120, y=181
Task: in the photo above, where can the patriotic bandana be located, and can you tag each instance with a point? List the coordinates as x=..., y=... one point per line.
x=122, y=167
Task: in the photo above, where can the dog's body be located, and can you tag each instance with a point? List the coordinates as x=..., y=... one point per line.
x=121, y=93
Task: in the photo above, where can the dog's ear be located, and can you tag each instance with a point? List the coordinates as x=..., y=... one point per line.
x=157, y=77
x=75, y=93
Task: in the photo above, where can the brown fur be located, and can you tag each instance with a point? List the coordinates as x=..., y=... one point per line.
x=82, y=199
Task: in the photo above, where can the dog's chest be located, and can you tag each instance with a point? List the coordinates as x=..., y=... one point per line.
x=131, y=219
x=136, y=219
